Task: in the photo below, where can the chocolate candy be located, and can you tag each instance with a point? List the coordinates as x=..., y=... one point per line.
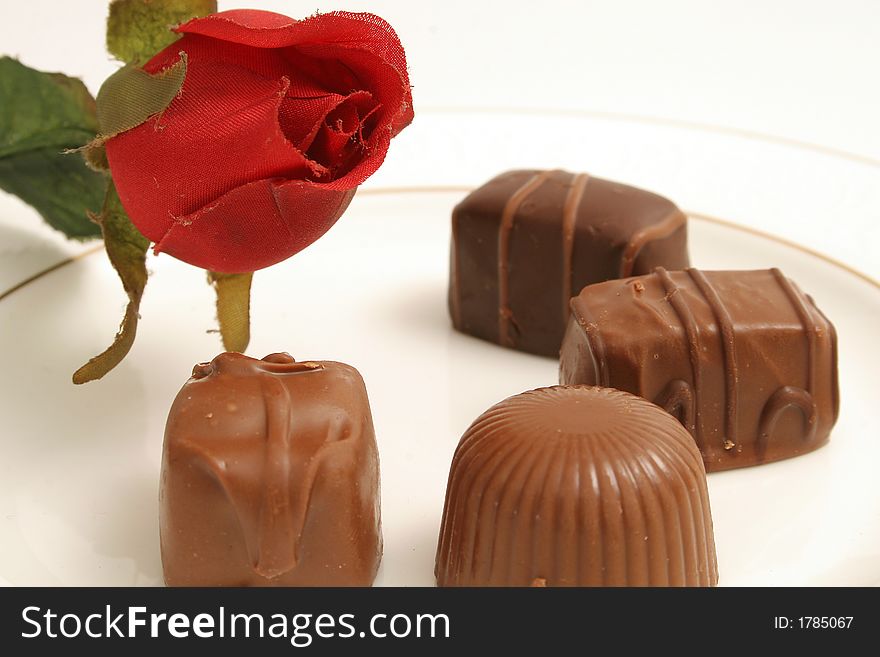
x=576, y=486
x=744, y=359
x=527, y=241
x=270, y=476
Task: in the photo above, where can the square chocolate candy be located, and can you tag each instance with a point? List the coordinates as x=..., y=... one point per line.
x=527, y=241
x=270, y=476
x=744, y=359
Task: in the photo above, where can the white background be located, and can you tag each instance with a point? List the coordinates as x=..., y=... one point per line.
x=799, y=70
x=803, y=69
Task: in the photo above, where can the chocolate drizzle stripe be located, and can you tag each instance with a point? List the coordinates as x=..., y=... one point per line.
x=677, y=399
x=661, y=230
x=808, y=325
x=508, y=216
x=242, y=504
x=692, y=339
x=278, y=531
x=786, y=397
x=594, y=340
x=728, y=345
x=569, y=220
x=304, y=367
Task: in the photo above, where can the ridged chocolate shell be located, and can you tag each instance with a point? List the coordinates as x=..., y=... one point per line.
x=576, y=486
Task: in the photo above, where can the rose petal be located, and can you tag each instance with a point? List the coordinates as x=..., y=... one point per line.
x=341, y=132
x=283, y=217
x=266, y=29
x=301, y=118
x=267, y=63
x=363, y=38
x=211, y=139
x=356, y=48
x=373, y=72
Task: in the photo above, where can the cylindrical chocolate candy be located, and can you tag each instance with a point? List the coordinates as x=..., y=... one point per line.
x=576, y=486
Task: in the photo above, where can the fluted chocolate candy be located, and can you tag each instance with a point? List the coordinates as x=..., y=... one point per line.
x=576, y=486
x=744, y=359
x=527, y=241
x=270, y=476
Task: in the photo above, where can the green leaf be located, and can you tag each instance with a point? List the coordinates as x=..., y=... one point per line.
x=233, y=308
x=127, y=250
x=128, y=98
x=41, y=116
x=138, y=29
x=42, y=109
x=131, y=96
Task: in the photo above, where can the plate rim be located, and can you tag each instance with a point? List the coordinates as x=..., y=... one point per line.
x=464, y=189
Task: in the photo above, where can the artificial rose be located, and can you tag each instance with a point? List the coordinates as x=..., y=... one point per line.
x=277, y=123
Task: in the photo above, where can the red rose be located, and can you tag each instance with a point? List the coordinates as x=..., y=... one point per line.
x=277, y=123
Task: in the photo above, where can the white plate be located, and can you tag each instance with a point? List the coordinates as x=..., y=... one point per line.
x=79, y=465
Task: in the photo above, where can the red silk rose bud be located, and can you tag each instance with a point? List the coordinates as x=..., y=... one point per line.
x=277, y=123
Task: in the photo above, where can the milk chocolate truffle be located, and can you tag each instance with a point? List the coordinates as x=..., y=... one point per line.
x=744, y=359
x=527, y=241
x=270, y=476
x=576, y=486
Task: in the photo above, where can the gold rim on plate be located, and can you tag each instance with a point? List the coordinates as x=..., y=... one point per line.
x=669, y=123
x=389, y=191
x=598, y=114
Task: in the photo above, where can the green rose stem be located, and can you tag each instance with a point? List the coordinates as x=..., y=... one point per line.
x=127, y=250
x=233, y=308
x=131, y=96
x=126, y=99
x=136, y=30
x=46, y=116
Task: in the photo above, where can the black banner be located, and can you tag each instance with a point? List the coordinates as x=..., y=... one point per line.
x=431, y=621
